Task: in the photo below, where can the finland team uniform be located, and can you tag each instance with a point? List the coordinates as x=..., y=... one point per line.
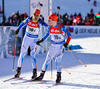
x=30, y=39
x=56, y=49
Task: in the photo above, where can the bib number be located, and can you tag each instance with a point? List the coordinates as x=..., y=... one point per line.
x=32, y=30
x=57, y=37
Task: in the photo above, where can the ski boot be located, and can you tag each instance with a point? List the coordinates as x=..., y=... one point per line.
x=40, y=77
x=34, y=74
x=18, y=72
x=58, y=77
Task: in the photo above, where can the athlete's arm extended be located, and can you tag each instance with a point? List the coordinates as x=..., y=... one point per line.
x=24, y=23
x=43, y=23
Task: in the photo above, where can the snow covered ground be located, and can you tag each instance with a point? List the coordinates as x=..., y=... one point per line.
x=81, y=77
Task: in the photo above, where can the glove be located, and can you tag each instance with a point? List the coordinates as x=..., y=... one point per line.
x=16, y=32
x=65, y=45
x=38, y=42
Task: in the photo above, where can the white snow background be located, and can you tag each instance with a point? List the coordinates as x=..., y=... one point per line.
x=81, y=77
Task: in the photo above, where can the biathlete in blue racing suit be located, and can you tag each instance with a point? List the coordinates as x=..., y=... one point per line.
x=57, y=46
x=30, y=39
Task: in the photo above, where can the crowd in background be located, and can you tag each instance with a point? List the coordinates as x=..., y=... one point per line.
x=73, y=19
x=77, y=19
x=15, y=19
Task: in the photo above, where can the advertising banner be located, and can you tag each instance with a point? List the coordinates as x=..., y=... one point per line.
x=85, y=31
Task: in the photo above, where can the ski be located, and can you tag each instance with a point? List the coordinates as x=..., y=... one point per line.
x=13, y=79
x=32, y=81
x=38, y=81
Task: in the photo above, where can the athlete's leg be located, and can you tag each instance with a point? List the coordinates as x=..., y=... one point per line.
x=50, y=55
x=58, y=64
x=33, y=49
x=58, y=58
x=24, y=47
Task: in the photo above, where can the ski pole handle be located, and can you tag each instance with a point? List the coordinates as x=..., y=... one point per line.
x=58, y=7
x=40, y=4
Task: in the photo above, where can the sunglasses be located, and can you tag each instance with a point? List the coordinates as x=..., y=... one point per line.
x=49, y=20
x=36, y=14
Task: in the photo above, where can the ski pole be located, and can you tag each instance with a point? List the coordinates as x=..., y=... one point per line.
x=65, y=69
x=76, y=57
x=43, y=48
x=58, y=7
x=51, y=69
x=14, y=52
x=50, y=57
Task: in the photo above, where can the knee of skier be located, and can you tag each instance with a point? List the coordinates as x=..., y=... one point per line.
x=58, y=63
x=32, y=54
x=33, y=60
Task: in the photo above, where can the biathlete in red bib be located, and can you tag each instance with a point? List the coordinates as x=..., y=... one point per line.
x=30, y=39
x=58, y=44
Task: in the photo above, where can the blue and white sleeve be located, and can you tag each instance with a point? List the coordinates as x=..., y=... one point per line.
x=24, y=23
x=46, y=35
x=64, y=29
x=43, y=23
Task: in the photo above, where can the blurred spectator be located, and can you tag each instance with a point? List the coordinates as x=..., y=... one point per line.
x=25, y=15
x=71, y=16
x=95, y=23
x=14, y=23
x=88, y=22
x=82, y=22
x=91, y=21
x=75, y=15
x=18, y=18
x=95, y=3
x=7, y=23
x=79, y=22
x=65, y=18
x=99, y=22
x=15, y=19
x=71, y=21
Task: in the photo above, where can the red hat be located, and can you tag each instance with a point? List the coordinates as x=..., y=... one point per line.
x=53, y=17
x=36, y=12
